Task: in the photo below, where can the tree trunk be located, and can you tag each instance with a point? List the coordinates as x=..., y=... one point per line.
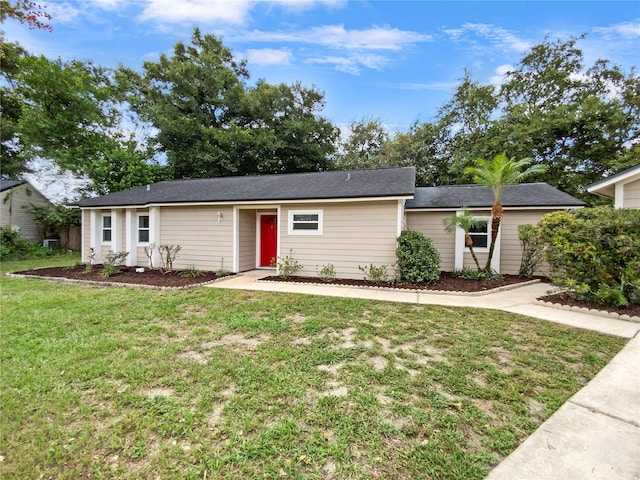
x=496, y=218
x=469, y=242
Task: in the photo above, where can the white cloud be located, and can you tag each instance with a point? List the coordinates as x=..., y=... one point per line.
x=306, y=4
x=337, y=37
x=62, y=12
x=352, y=64
x=626, y=29
x=499, y=37
x=501, y=72
x=108, y=4
x=207, y=11
x=269, y=56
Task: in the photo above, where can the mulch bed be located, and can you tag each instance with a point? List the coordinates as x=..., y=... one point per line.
x=127, y=275
x=569, y=298
x=447, y=283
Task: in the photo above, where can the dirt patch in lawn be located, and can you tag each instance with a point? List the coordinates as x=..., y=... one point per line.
x=126, y=275
x=447, y=283
x=569, y=298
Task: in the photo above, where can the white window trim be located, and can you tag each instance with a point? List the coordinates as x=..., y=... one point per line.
x=138, y=215
x=290, y=229
x=481, y=249
x=102, y=229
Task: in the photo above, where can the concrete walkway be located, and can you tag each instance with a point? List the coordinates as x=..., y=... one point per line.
x=595, y=435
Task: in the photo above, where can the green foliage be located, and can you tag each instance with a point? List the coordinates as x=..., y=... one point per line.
x=374, y=273
x=288, y=266
x=14, y=246
x=471, y=274
x=595, y=251
x=109, y=270
x=327, y=273
x=532, y=249
x=191, y=272
x=418, y=259
x=211, y=125
x=55, y=218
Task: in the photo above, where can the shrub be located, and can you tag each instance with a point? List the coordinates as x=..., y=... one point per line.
x=595, y=251
x=109, y=270
x=288, y=266
x=327, y=273
x=532, y=249
x=168, y=255
x=418, y=259
x=374, y=274
x=14, y=246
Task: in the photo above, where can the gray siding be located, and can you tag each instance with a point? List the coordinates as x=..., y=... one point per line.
x=430, y=224
x=15, y=210
x=247, y=240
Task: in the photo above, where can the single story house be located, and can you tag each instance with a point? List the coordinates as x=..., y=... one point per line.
x=623, y=188
x=17, y=196
x=345, y=218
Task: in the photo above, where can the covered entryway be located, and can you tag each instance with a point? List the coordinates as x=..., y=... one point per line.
x=268, y=237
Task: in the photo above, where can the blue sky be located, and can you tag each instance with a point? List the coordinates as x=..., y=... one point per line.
x=397, y=61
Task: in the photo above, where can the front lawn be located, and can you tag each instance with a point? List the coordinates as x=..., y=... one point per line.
x=207, y=383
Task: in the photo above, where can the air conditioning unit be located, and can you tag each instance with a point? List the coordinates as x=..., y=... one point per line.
x=51, y=243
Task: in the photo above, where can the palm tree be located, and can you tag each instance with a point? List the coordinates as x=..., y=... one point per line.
x=466, y=222
x=495, y=174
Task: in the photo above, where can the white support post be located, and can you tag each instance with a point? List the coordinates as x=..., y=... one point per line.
x=96, y=235
x=458, y=262
x=235, y=265
x=131, y=228
x=116, y=230
x=619, y=195
x=495, y=261
x=154, y=233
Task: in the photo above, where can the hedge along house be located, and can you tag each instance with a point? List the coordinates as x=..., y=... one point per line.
x=346, y=219
x=242, y=223
x=524, y=203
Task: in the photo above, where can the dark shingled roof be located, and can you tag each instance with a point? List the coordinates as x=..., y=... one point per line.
x=387, y=182
x=470, y=196
x=7, y=184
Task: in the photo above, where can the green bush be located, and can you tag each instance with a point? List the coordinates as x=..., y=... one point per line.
x=418, y=259
x=595, y=251
x=373, y=273
x=288, y=266
x=14, y=246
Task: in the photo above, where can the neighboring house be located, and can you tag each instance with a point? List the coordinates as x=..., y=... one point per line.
x=623, y=188
x=17, y=196
x=345, y=219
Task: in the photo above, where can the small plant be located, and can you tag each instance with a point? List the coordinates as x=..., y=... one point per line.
x=374, y=274
x=288, y=266
x=222, y=272
x=168, y=255
x=471, y=274
x=109, y=270
x=327, y=273
x=115, y=258
x=191, y=272
x=92, y=260
x=148, y=251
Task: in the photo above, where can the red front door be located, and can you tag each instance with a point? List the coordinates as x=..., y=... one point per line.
x=268, y=240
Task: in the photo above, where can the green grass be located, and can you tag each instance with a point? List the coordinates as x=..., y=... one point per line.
x=123, y=383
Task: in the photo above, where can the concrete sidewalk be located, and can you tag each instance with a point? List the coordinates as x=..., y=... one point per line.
x=595, y=435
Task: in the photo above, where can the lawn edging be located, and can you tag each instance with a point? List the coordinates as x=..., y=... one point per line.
x=589, y=311
x=401, y=290
x=118, y=284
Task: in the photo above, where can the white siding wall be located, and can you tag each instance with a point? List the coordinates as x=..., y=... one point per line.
x=631, y=198
x=354, y=233
x=15, y=210
x=204, y=240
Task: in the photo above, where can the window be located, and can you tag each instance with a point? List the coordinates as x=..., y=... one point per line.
x=106, y=228
x=480, y=235
x=143, y=228
x=305, y=222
